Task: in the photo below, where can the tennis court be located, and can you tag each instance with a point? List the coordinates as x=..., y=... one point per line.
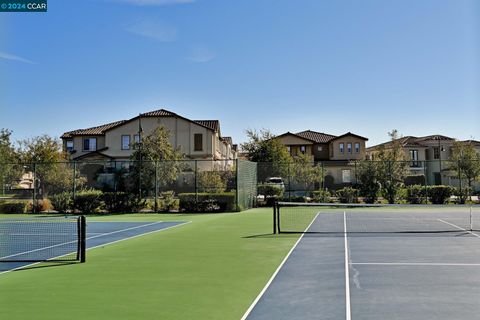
x=376, y=263
x=35, y=239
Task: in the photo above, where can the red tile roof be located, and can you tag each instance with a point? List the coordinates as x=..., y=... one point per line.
x=210, y=124
x=93, y=131
x=318, y=137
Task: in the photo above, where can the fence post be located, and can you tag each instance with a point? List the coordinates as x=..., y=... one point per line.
x=425, y=178
x=34, y=200
x=196, y=187
x=459, y=179
x=323, y=176
x=156, y=187
x=275, y=217
x=237, y=207
x=74, y=187
x=289, y=181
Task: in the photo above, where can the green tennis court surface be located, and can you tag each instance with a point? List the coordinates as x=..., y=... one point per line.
x=211, y=268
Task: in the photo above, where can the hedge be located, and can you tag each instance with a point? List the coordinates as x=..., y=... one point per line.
x=207, y=202
x=439, y=194
x=13, y=206
x=88, y=201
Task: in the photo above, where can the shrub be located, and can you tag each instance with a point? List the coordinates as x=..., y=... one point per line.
x=211, y=181
x=88, y=201
x=167, y=201
x=207, y=202
x=347, y=195
x=439, y=194
x=415, y=194
x=270, y=190
x=463, y=194
x=13, y=207
x=321, y=196
x=62, y=202
x=122, y=202
x=39, y=205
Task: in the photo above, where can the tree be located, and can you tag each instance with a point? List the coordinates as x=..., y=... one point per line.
x=392, y=167
x=465, y=162
x=53, y=174
x=271, y=155
x=368, y=177
x=10, y=168
x=305, y=171
x=155, y=160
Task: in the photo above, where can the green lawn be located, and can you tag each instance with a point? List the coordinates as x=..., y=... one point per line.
x=212, y=268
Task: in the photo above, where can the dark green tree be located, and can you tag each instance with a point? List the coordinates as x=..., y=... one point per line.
x=10, y=168
x=368, y=178
x=271, y=155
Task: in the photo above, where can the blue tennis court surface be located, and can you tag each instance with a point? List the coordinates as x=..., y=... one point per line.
x=373, y=276
x=98, y=234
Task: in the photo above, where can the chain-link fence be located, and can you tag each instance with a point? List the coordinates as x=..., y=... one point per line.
x=129, y=186
x=392, y=181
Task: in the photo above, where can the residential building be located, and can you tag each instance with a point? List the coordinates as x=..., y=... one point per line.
x=196, y=139
x=428, y=157
x=336, y=153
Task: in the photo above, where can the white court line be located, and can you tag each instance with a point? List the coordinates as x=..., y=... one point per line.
x=254, y=303
x=105, y=244
x=348, y=310
x=416, y=264
x=460, y=228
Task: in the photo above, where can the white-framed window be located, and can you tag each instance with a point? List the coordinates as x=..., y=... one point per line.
x=289, y=149
x=89, y=144
x=346, y=176
x=303, y=149
x=349, y=147
x=69, y=145
x=125, y=142
x=320, y=148
x=357, y=147
x=341, y=147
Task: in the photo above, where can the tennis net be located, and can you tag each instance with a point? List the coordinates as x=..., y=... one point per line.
x=292, y=217
x=42, y=239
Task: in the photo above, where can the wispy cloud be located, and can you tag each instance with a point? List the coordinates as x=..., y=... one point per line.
x=154, y=30
x=154, y=2
x=8, y=56
x=201, y=54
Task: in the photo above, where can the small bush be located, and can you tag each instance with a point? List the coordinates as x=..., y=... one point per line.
x=62, y=202
x=270, y=190
x=321, y=196
x=167, y=201
x=89, y=201
x=207, y=202
x=39, y=205
x=347, y=195
x=439, y=194
x=211, y=181
x=415, y=194
x=463, y=194
x=295, y=199
x=13, y=207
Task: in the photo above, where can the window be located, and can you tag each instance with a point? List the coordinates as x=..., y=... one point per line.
x=198, y=142
x=89, y=144
x=126, y=142
x=414, y=158
x=289, y=149
x=349, y=147
x=302, y=149
x=320, y=148
x=69, y=145
x=346, y=177
x=357, y=147
x=436, y=153
x=341, y=146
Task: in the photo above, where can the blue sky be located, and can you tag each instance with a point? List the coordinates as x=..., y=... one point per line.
x=332, y=66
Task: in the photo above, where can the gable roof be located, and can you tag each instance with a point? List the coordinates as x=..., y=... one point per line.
x=288, y=133
x=318, y=137
x=210, y=124
x=228, y=140
x=100, y=130
x=413, y=142
x=350, y=134
x=93, y=131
